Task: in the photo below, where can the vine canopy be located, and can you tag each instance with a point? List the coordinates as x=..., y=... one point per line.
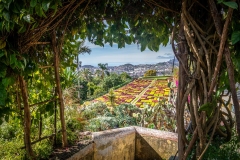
x=201, y=34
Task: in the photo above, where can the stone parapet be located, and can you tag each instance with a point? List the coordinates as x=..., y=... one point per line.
x=129, y=143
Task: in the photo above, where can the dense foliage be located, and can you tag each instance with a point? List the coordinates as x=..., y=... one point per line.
x=98, y=117
x=40, y=39
x=150, y=73
x=99, y=86
x=12, y=145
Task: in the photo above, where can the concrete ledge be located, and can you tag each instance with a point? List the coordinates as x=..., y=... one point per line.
x=157, y=133
x=154, y=144
x=84, y=154
x=130, y=143
x=113, y=133
x=116, y=144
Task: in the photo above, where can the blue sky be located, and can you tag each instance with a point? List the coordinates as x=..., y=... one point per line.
x=130, y=54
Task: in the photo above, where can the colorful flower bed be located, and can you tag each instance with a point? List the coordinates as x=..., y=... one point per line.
x=159, y=90
x=127, y=93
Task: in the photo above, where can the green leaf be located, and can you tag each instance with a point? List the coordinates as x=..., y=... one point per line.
x=220, y=1
x=1, y=7
x=143, y=47
x=13, y=59
x=208, y=107
x=6, y=5
x=220, y=90
x=3, y=95
x=155, y=47
x=231, y=4
x=235, y=37
x=27, y=18
x=22, y=29
x=1, y=53
x=38, y=10
x=15, y=8
x=128, y=40
x=6, y=16
x=136, y=23
x=54, y=7
x=38, y=114
x=42, y=12
x=45, y=5
x=7, y=26
x=24, y=61
x=34, y=25
x=3, y=70
x=19, y=65
x=6, y=81
x=2, y=43
x=33, y=3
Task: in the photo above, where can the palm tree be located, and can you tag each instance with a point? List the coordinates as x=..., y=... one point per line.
x=86, y=74
x=111, y=97
x=70, y=78
x=103, y=68
x=98, y=73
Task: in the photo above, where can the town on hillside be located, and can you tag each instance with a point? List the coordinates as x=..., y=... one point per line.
x=136, y=71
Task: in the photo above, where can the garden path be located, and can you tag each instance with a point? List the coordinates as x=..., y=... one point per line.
x=142, y=93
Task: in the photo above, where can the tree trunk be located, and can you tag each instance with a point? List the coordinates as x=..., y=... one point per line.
x=59, y=90
x=181, y=90
x=233, y=88
x=27, y=119
x=55, y=119
x=222, y=33
x=40, y=126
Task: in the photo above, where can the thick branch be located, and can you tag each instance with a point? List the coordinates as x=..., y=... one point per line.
x=209, y=142
x=35, y=43
x=223, y=38
x=191, y=144
x=232, y=87
x=43, y=102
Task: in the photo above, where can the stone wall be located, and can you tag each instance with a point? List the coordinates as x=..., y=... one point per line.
x=116, y=144
x=84, y=154
x=154, y=144
x=129, y=143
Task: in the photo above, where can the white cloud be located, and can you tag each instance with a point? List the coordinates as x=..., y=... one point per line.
x=165, y=57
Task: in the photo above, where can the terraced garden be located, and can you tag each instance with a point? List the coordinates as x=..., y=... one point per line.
x=140, y=92
x=159, y=90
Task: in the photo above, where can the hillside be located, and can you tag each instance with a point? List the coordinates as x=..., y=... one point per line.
x=136, y=71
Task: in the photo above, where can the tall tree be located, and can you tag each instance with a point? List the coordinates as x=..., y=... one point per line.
x=98, y=73
x=86, y=74
x=103, y=67
x=150, y=73
x=27, y=118
x=111, y=97
x=57, y=52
